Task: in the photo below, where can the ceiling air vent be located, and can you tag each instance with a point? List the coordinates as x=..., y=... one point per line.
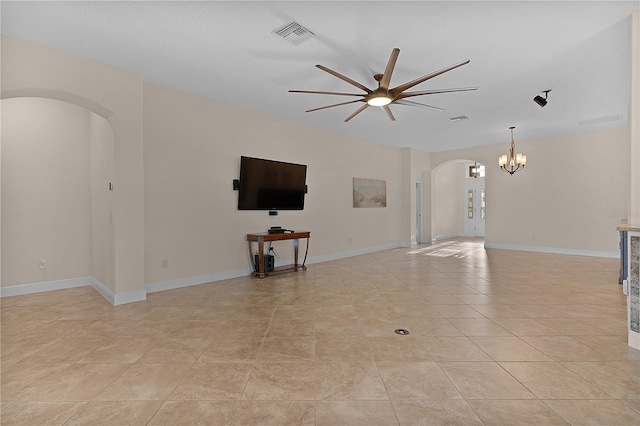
x=459, y=118
x=600, y=120
x=293, y=32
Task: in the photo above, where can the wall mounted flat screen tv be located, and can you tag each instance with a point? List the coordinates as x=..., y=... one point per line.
x=271, y=185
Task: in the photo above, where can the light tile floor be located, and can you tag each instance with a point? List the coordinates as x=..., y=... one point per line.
x=497, y=337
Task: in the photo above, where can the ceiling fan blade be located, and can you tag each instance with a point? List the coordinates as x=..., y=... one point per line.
x=417, y=104
x=386, y=77
x=389, y=113
x=412, y=83
x=359, y=110
x=334, y=105
x=344, y=78
x=433, y=92
x=314, y=92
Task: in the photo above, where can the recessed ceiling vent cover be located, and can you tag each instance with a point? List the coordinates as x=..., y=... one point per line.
x=293, y=32
x=459, y=118
x=600, y=120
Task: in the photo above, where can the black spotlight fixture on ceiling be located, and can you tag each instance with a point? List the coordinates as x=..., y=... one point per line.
x=540, y=100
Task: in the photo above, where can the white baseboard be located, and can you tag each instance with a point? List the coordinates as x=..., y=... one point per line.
x=130, y=297
x=225, y=275
x=118, y=298
x=103, y=290
x=195, y=280
x=18, y=290
x=553, y=250
x=351, y=253
x=114, y=299
x=139, y=295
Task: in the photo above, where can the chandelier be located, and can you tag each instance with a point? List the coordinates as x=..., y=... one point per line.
x=513, y=162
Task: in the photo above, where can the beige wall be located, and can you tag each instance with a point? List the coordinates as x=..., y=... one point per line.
x=421, y=171
x=46, y=191
x=447, y=200
x=633, y=215
x=102, y=235
x=174, y=201
x=192, y=221
x=192, y=150
x=35, y=71
x=59, y=160
x=567, y=198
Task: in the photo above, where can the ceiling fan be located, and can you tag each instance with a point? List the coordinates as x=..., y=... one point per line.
x=383, y=96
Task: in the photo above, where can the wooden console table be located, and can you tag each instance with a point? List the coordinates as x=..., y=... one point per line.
x=263, y=237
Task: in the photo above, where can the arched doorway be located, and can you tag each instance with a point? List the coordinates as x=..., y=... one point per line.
x=458, y=207
x=57, y=163
x=30, y=70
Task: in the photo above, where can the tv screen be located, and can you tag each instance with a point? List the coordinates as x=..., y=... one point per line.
x=271, y=185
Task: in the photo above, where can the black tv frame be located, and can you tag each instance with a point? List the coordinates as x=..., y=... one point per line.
x=266, y=185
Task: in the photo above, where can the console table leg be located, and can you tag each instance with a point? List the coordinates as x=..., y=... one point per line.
x=261, y=259
x=252, y=260
x=295, y=254
x=306, y=251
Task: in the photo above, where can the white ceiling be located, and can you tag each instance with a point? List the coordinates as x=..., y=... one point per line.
x=227, y=51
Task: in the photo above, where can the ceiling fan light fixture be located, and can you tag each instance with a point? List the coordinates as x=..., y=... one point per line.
x=379, y=101
x=383, y=95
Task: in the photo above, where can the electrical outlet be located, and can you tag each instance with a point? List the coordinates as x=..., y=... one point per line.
x=43, y=264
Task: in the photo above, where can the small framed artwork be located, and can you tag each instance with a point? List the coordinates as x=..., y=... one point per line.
x=369, y=193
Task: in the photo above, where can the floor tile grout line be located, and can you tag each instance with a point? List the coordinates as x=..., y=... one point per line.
x=446, y=320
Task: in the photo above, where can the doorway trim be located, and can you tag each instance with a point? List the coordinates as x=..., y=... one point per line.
x=476, y=211
x=419, y=212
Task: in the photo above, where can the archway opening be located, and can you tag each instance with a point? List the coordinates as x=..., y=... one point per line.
x=458, y=200
x=57, y=209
